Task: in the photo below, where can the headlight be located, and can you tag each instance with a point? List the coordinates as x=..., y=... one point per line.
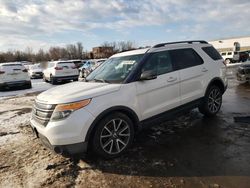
x=62, y=111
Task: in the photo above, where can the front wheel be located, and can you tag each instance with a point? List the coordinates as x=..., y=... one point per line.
x=44, y=79
x=113, y=135
x=212, y=102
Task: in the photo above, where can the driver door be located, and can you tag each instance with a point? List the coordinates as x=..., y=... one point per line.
x=162, y=93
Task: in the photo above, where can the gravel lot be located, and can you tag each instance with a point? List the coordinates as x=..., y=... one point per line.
x=190, y=151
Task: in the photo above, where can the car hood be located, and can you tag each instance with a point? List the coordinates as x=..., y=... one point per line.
x=76, y=91
x=36, y=70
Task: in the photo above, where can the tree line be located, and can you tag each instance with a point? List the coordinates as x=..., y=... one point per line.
x=70, y=51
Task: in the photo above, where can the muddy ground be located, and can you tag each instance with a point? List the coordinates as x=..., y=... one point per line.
x=190, y=151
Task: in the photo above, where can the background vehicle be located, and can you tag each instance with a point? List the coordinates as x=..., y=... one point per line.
x=243, y=73
x=89, y=66
x=14, y=74
x=230, y=56
x=78, y=63
x=35, y=71
x=86, y=68
x=60, y=71
x=26, y=64
x=127, y=92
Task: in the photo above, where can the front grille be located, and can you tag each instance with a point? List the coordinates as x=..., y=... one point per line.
x=42, y=112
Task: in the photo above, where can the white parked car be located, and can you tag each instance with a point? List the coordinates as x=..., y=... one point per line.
x=128, y=91
x=14, y=74
x=230, y=56
x=35, y=71
x=60, y=71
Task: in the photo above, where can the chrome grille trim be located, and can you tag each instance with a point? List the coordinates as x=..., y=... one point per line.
x=42, y=112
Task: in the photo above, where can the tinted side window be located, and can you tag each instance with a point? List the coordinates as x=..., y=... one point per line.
x=213, y=53
x=159, y=62
x=185, y=58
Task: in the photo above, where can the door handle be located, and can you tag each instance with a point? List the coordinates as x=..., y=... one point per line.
x=171, y=79
x=204, y=69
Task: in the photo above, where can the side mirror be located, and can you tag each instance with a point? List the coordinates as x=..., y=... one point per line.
x=148, y=75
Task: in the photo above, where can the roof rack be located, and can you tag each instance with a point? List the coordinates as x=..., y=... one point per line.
x=188, y=42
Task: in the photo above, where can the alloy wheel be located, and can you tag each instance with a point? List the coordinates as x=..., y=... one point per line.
x=115, y=136
x=214, y=100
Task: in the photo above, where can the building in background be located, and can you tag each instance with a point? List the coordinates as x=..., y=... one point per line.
x=102, y=52
x=234, y=49
x=232, y=44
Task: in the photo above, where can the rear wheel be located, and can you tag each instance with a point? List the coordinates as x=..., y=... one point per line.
x=28, y=85
x=212, y=101
x=53, y=80
x=113, y=135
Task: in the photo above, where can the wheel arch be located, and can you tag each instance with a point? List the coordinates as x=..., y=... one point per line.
x=218, y=82
x=123, y=109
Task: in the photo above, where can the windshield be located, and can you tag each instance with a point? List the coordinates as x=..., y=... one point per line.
x=115, y=70
x=32, y=67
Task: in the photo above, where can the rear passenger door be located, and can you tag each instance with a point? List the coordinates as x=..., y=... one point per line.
x=192, y=73
x=161, y=94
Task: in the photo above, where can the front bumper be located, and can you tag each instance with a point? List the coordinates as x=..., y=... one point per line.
x=65, y=150
x=66, y=136
x=36, y=75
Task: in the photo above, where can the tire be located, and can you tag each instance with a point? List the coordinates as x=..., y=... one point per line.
x=113, y=135
x=228, y=61
x=84, y=75
x=76, y=79
x=44, y=79
x=81, y=74
x=53, y=81
x=212, y=101
x=28, y=86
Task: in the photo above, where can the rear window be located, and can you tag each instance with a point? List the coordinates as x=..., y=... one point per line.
x=12, y=65
x=212, y=52
x=65, y=63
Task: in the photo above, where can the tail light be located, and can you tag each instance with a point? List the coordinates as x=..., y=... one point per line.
x=2, y=72
x=25, y=70
x=58, y=68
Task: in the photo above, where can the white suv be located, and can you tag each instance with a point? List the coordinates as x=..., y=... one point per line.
x=126, y=92
x=60, y=71
x=14, y=74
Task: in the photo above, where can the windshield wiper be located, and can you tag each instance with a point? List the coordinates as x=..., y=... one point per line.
x=101, y=80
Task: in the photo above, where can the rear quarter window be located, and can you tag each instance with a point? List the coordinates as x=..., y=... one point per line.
x=185, y=58
x=212, y=52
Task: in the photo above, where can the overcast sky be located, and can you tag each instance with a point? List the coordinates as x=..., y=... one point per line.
x=40, y=23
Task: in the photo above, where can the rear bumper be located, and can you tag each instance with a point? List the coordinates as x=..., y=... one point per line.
x=16, y=83
x=66, y=77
